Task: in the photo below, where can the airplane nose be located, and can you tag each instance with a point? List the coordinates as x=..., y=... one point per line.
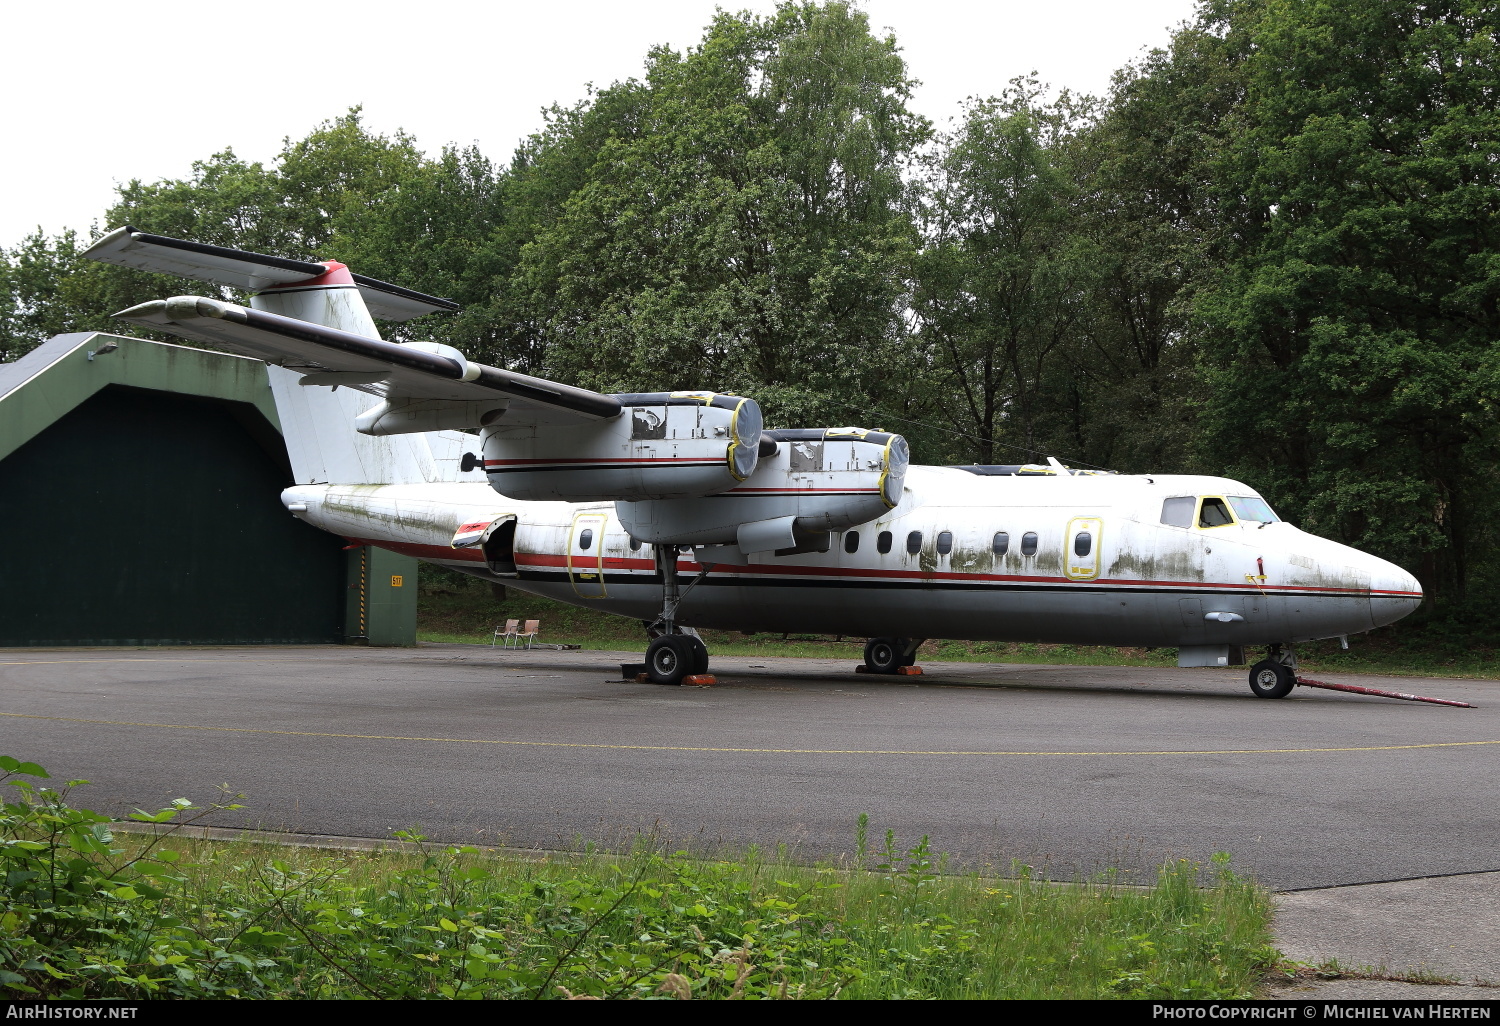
x=1394, y=593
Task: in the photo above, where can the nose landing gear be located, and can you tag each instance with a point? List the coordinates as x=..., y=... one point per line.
x=1276, y=674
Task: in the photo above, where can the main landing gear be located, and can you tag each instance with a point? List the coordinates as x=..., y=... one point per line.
x=673, y=657
x=892, y=655
x=1276, y=674
x=676, y=654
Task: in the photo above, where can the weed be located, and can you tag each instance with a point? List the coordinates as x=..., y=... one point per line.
x=89, y=913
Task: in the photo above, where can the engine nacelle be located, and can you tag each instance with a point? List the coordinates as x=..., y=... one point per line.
x=819, y=480
x=663, y=445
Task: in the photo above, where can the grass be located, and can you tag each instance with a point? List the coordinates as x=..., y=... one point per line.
x=748, y=927
x=91, y=913
x=456, y=608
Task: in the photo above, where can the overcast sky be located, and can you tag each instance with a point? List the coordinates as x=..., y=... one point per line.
x=103, y=92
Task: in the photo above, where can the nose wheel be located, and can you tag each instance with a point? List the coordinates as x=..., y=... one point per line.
x=1275, y=675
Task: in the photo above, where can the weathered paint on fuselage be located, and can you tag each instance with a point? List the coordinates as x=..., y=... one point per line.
x=1152, y=584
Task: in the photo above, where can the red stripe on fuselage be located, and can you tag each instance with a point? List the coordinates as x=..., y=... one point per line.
x=423, y=551
x=541, y=560
x=615, y=563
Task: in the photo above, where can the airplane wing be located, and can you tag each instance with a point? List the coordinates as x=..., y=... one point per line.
x=328, y=356
x=253, y=272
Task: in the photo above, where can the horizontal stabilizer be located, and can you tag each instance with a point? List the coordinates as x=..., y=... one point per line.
x=410, y=371
x=394, y=303
x=252, y=272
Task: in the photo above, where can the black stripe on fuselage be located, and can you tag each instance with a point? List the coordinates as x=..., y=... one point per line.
x=598, y=467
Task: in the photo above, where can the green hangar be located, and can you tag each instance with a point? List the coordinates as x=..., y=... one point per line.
x=139, y=505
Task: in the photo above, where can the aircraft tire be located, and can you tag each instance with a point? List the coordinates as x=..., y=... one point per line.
x=700, y=654
x=670, y=658
x=1270, y=679
x=884, y=655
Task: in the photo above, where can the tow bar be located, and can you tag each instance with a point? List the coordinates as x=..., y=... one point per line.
x=1378, y=693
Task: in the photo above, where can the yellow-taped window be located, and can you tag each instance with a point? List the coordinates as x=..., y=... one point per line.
x=1081, y=557
x=1214, y=512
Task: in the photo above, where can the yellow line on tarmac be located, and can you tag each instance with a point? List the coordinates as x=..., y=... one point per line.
x=749, y=751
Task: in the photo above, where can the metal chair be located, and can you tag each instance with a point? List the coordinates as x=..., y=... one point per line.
x=505, y=633
x=533, y=627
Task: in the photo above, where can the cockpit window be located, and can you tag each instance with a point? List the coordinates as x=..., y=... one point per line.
x=1214, y=513
x=1178, y=511
x=1252, y=508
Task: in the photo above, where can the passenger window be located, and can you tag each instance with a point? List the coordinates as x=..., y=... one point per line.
x=1178, y=511
x=945, y=543
x=914, y=542
x=586, y=539
x=1028, y=543
x=1083, y=543
x=851, y=541
x=1215, y=513
x=883, y=543
x=635, y=544
x=1001, y=544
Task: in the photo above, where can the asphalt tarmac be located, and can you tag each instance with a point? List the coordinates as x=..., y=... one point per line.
x=1074, y=770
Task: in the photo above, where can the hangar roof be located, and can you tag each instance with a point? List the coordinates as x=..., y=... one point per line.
x=52, y=379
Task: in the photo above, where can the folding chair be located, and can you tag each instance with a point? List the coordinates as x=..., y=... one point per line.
x=533, y=627
x=505, y=633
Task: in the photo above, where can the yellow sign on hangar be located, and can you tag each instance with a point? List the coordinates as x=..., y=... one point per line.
x=396, y=580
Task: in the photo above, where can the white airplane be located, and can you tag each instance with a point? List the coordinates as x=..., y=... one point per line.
x=678, y=509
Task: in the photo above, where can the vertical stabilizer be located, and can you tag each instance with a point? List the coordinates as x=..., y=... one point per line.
x=318, y=420
x=318, y=424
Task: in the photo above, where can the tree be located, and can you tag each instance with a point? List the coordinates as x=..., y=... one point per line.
x=1001, y=282
x=336, y=193
x=742, y=224
x=1350, y=347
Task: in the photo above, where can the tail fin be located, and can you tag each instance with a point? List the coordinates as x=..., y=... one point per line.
x=317, y=421
x=318, y=425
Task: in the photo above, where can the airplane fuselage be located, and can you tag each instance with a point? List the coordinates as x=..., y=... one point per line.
x=1081, y=560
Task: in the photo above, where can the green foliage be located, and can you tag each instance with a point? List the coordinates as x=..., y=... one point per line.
x=741, y=223
x=1003, y=280
x=1350, y=361
x=82, y=919
x=90, y=913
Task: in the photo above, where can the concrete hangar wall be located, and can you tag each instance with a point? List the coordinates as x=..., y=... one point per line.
x=139, y=505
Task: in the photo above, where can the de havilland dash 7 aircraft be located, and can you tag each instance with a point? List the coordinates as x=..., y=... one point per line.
x=681, y=510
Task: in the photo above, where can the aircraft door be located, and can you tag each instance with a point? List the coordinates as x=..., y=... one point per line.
x=586, y=554
x=1082, y=542
x=498, y=543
